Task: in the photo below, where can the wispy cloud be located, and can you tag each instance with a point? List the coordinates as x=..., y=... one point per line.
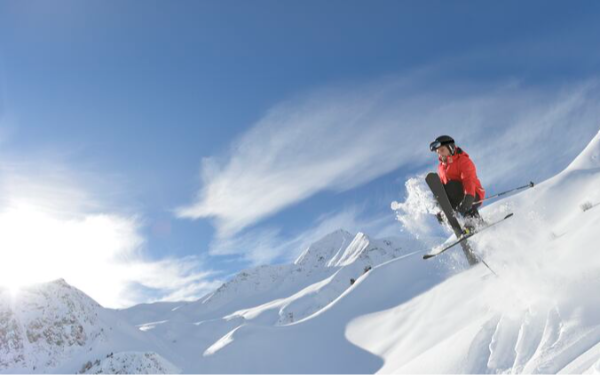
x=53, y=226
x=266, y=246
x=338, y=139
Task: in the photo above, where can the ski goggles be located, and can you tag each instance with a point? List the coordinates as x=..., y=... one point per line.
x=435, y=145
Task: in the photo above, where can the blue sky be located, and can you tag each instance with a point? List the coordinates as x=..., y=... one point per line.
x=204, y=137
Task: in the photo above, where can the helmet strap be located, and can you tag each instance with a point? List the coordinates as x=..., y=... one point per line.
x=452, y=148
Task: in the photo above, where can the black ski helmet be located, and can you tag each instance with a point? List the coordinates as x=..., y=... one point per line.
x=443, y=140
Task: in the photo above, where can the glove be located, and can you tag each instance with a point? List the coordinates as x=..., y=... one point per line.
x=466, y=204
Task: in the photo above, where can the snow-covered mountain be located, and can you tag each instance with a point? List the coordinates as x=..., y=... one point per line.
x=321, y=261
x=270, y=296
x=54, y=327
x=353, y=304
x=46, y=325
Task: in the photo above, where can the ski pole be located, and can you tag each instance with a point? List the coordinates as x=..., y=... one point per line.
x=529, y=185
x=488, y=267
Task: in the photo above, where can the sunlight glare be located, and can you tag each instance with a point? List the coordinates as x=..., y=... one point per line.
x=39, y=246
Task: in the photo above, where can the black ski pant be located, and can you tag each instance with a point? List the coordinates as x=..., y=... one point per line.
x=456, y=193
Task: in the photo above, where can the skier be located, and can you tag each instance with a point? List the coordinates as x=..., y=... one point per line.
x=459, y=177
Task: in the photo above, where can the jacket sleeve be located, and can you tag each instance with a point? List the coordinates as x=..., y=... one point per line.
x=468, y=176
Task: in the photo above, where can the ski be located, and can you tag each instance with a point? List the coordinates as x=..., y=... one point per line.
x=464, y=237
x=437, y=188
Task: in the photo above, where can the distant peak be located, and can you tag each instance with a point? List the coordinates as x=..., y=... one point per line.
x=323, y=250
x=339, y=232
x=60, y=281
x=339, y=235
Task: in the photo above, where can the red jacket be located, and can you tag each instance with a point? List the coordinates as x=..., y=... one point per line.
x=461, y=168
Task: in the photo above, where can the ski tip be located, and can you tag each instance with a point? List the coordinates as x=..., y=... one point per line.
x=427, y=256
x=509, y=215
